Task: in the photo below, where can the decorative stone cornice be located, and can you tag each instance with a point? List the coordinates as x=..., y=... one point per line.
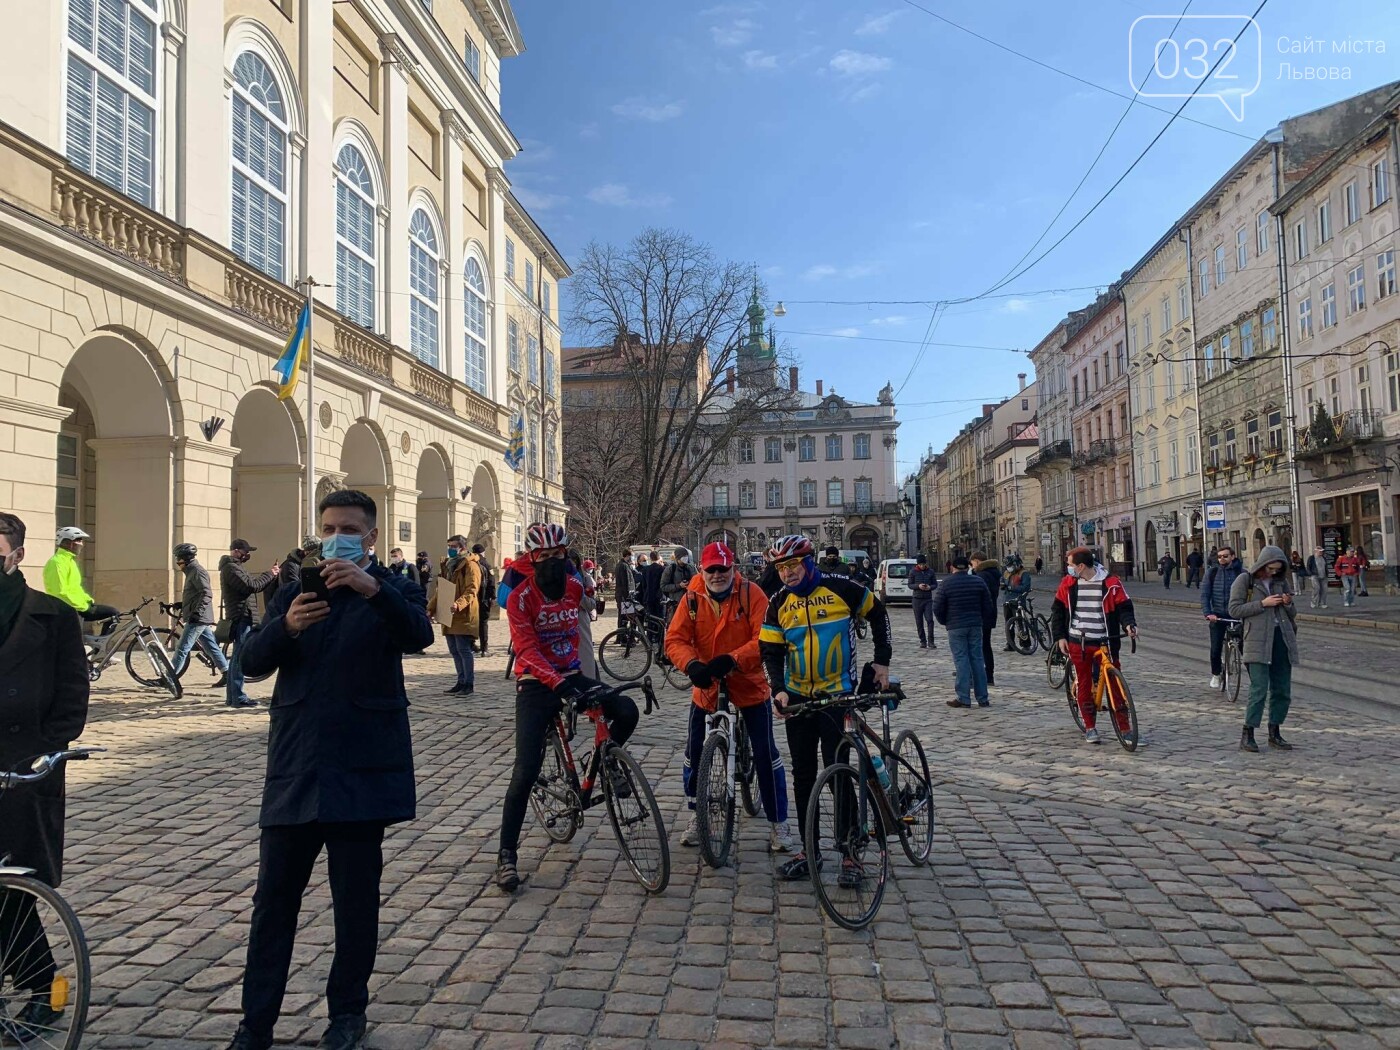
x=455, y=127
x=396, y=53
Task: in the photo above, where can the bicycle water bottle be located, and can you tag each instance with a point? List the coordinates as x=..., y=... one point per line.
x=881, y=771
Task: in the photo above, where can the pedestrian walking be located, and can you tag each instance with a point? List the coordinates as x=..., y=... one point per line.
x=1261, y=599
x=1348, y=569
x=339, y=765
x=1166, y=565
x=923, y=581
x=456, y=606
x=240, y=598
x=1195, y=565
x=196, y=606
x=1039, y=566
x=1317, y=571
x=1091, y=609
x=963, y=604
x=1363, y=564
x=989, y=570
x=43, y=706
x=1215, y=604
x=486, y=597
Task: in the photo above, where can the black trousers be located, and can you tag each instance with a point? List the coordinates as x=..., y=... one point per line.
x=354, y=861
x=23, y=944
x=923, y=620
x=535, y=708
x=481, y=629
x=987, y=658
x=804, y=735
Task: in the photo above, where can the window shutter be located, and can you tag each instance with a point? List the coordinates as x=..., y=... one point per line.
x=82, y=20
x=80, y=113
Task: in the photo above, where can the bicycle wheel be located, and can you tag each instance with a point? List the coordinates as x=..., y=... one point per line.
x=912, y=796
x=164, y=670
x=714, y=801
x=1040, y=626
x=553, y=799
x=745, y=772
x=36, y=1010
x=1072, y=694
x=138, y=665
x=624, y=654
x=1022, y=637
x=1121, y=711
x=1055, y=667
x=636, y=819
x=848, y=857
x=1234, y=671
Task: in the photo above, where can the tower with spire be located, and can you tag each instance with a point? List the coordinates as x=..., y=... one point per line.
x=758, y=366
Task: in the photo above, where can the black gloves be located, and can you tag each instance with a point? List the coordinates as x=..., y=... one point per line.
x=722, y=665
x=699, y=675
x=570, y=688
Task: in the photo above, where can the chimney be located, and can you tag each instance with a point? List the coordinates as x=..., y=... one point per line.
x=819, y=388
x=792, y=378
x=1022, y=377
x=729, y=380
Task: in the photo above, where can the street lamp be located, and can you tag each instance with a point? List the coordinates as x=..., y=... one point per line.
x=780, y=310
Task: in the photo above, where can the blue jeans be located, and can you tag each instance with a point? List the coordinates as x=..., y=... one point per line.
x=463, y=650
x=767, y=759
x=1348, y=589
x=239, y=634
x=200, y=634
x=966, y=646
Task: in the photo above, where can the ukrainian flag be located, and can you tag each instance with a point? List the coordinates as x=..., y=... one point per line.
x=515, y=452
x=288, y=366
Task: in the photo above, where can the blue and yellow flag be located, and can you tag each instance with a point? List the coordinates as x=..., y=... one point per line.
x=515, y=451
x=288, y=366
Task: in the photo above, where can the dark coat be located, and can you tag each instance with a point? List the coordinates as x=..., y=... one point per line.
x=1215, y=590
x=197, y=599
x=924, y=575
x=43, y=708
x=241, y=589
x=963, y=600
x=989, y=572
x=338, y=748
x=651, y=585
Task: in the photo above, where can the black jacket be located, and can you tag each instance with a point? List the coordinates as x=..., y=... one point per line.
x=918, y=576
x=338, y=748
x=675, y=578
x=989, y=572
x=651, y=585
x=197, y=599
x=241, y=589
x=624, y=582
x=43, y=708
x=963, y=600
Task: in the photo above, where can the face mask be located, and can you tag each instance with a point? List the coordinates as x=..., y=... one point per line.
x=12, y=568
x=551, y=574
x=351, y=548
x=452, y=552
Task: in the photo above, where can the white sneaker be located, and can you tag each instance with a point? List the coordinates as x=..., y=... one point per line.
x=1215, y=681
x=1091, y=736
x=779, y=838
x=691, y=835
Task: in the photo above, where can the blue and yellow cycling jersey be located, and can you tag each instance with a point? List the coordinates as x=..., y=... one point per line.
x=808, y=643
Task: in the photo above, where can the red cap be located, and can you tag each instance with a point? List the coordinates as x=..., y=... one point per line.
x=716, y=554
x=588, y=564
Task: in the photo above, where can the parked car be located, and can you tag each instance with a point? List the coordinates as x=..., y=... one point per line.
x=892, y=581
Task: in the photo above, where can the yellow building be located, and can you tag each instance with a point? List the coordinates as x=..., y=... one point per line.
x=169, y=172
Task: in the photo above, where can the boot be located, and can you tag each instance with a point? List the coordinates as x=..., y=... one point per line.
x=1276, y=738
x=1247, y=740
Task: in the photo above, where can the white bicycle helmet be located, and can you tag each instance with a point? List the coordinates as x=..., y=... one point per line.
x=546, y=536
x=71, y=532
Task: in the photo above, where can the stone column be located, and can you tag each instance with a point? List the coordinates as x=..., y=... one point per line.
x=454, y=251
x=203, y=502
x=28, y=440
x=134, y=525
x=317, y=249
x=395, y=144
x=498, y=374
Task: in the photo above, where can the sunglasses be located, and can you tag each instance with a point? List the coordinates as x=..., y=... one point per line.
x=717, y=570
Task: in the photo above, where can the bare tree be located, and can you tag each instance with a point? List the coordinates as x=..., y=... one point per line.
x=598, y=486
x=676, y=319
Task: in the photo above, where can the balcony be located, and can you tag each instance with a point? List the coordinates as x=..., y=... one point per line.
x=722, y=512
x=1340, y=433
x=1104, y=448
x=1048, y=455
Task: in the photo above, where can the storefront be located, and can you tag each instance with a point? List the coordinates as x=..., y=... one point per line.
x=1349, y=519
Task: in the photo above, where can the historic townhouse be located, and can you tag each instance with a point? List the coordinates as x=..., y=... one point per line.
x=1097, y=361
x=1017, y=496
x=1345, y=360
x=1049, y=467
x=933, y=490
x=1162, y=390
x=170, y=173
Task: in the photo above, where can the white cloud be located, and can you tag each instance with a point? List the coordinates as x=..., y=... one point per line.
x=619, y=195
x=845, y=333
x=726, y=10
x=537, y=201
x=760, y=60
x=656, y=110
x=858, y=63
x=772, y=271
x=1015, y=306
x=588, y=130
x=864, y=92
x=734, y=33
x=894, y=319
x=824, y=271
x=820, y=272
x=876, y=25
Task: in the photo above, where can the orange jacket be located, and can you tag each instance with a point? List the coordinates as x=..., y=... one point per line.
x=702, y=629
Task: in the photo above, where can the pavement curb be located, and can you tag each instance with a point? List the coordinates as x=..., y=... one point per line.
x=1341, y=621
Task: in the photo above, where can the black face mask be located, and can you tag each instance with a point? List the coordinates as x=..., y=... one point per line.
x=551, y=574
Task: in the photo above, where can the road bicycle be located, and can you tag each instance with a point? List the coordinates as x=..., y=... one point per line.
x=726, y=762
x=45, y=972
x=1232, y=658
x=859, y=801
x=628, y=653
x=122, y=632
x=1110, y=690
x=559, y=797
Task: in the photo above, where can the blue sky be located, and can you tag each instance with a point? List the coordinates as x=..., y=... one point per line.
x=868, y=151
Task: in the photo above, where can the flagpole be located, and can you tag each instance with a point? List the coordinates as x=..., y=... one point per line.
x=311, y=524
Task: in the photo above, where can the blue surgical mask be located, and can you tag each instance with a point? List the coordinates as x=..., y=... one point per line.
x=351, y=548
x=452, y=552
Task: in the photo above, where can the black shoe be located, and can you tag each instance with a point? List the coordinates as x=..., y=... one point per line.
x=1008, y=649
x=246, y=701
x=36, y=1020
x=1247, y=740
x=621, y=785
x=958, y=703
x=346, y=1032
x=223, y=681
x=1276, y=739
x=485, y=652
x=991, y=680
x=467, y=690
x=984, y=703
x=246, y=1040
x=796, y=869
x=454, y=689
x=507, y=878
x=852, y=875
x=923, y=645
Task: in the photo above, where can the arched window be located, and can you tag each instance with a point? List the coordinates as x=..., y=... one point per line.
x=423, y=265
x=260, y=164
x=354, y=237
x=111, y=93
x=474, y=297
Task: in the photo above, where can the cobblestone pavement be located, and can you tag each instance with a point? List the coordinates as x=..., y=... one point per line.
x=1187, y=895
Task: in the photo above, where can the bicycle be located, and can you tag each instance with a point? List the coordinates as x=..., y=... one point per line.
x=1232, y=659
x=559, y=797
x=126, y=630
x=170, y=640
x=38, y=928
x=627, y=653
x=721, y=768
x=1021, y=627
x=864, y=808
x=1110, y=689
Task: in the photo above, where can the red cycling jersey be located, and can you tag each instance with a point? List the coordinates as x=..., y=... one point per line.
x=545, y=633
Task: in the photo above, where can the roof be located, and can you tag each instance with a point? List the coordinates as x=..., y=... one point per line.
x=1369, y=131
x=539, y=240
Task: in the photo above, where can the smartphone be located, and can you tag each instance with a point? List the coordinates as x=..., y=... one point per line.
x=312, y=582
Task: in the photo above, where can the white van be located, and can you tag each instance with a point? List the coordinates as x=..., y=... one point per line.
x=892, y=583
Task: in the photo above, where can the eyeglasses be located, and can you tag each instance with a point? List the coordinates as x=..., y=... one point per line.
x=717, y=570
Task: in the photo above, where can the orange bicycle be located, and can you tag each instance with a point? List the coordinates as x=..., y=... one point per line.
x=1110, y=690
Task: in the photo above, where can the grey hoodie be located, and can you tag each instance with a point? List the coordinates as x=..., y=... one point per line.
x=1247, y=596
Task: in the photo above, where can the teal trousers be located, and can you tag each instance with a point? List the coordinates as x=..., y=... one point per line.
x=1273, y=680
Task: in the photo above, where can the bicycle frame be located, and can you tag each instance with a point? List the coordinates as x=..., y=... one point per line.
x=602, y=736
x=856, y=732
x=109, y=645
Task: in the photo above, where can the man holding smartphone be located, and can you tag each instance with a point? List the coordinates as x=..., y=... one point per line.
x=339, y=763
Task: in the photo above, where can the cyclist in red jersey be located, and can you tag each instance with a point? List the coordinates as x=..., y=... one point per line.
x=544, y=627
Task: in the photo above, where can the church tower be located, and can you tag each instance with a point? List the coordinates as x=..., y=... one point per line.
x=758, y=367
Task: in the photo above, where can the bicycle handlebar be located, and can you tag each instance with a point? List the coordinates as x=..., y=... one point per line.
x=1110, y=638
x=594, y=695
x=860, y=701
x=46, y=764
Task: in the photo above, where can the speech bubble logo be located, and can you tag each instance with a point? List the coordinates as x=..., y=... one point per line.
x=1209, y=62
